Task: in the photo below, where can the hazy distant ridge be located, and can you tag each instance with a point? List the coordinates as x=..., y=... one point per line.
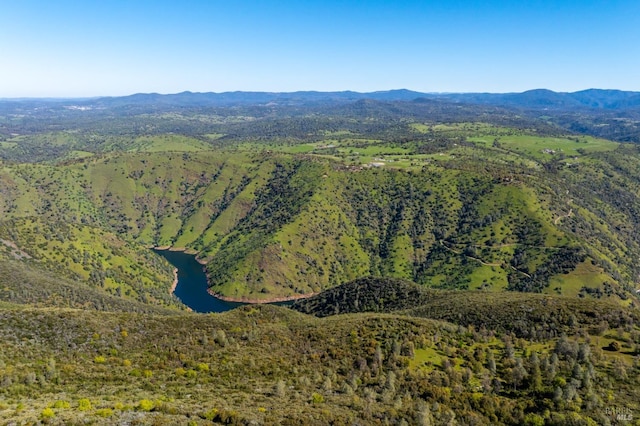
x=598, y=99
x=534, y=99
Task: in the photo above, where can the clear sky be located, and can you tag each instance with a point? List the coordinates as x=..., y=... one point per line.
x=67, y=48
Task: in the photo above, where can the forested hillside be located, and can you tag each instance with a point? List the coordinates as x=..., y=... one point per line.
x=266, y=365
x=531, y=316
x=286, y=206
x=281, y=225
x=474, y=259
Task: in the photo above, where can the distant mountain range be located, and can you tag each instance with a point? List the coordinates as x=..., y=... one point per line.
x=609, y=114
x=531, y=99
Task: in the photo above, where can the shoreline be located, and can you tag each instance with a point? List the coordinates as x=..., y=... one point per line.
x=172, y=289
x=220, y=296
x=175, y=281
x=259, y=301
x=182, y=249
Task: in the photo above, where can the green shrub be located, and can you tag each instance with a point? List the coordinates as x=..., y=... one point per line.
x=61, y=404
x=533, y=419
x=104, y=412
x=84, y=404
x=146, y=405
x=211, y=414
x=47, y=414
x=316, y=398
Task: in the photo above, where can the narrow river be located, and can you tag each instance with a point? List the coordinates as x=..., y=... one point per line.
x=192, y=284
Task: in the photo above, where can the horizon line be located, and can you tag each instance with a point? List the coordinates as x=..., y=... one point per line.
x=84, y=98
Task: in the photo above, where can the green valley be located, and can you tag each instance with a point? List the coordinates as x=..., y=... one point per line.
x=456, y=263
x=271, y=222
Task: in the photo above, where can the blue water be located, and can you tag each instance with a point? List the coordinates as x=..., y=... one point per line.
x=192, y=284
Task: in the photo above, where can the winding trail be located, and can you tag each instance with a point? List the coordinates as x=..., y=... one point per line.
x=559, y=218
x=564, y=216
x=482, y=262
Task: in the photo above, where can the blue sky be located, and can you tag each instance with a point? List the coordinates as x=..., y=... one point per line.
x=70, y=48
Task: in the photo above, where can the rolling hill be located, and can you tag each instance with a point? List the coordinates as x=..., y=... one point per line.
x=459, y=206
x=465, y=259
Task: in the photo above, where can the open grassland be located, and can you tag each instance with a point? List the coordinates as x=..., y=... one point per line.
x=168, y=143
x=544, y=148
x=498, y=142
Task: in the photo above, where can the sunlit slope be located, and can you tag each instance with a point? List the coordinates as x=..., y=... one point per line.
x=159, y=199
x=276, y=224
x=296, y=239
x=314, y=226
x=24, y=285
x=98, y=259
x=47, y=146
x=271, y=365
